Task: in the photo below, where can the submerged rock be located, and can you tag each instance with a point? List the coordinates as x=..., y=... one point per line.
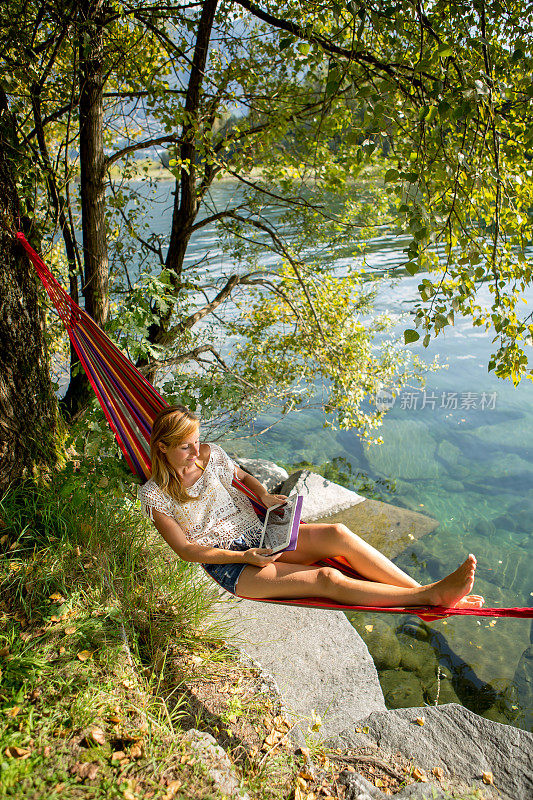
x=401, y=689
x=523, y=680
x=382, y=643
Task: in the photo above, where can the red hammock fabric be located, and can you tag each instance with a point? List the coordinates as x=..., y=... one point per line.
x=130, y=405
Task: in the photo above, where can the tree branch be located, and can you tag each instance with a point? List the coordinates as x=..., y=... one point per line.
x=140, y=146
x=225, y=292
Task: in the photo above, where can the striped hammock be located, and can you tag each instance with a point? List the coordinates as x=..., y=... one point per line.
x=130, y=405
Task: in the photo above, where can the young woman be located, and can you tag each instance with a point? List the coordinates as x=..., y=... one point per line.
x=205, y=519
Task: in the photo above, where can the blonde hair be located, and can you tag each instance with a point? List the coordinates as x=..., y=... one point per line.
x=170, y=428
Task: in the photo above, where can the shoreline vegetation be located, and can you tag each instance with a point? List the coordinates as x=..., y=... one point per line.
x=149, y=168
x=110, y=652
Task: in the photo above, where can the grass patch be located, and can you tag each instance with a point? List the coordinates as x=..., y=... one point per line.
x=94, y=608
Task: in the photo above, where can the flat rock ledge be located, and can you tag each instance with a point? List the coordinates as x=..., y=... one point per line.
x=453, y=738
x=316, y=658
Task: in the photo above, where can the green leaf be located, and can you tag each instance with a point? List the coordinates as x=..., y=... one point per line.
x=410, y=335
x=445, y=50
x=412, y=267
x=391, y=175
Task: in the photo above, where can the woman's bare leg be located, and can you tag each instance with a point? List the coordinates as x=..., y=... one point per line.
x=279, y=579
x=321, y=540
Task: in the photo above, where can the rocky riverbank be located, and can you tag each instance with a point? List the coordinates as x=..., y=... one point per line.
x=323, y=667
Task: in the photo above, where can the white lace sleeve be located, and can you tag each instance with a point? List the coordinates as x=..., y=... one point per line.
x=151, y=496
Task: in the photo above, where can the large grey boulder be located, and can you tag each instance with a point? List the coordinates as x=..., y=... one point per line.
x=317, y=659
x=463, y=744
x=321, y=497
x=389, y=528
x=267, y=472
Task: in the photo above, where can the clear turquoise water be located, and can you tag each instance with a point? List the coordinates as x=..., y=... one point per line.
x=469, y=467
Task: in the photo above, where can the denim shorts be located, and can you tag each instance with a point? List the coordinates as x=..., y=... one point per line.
x=227, y=575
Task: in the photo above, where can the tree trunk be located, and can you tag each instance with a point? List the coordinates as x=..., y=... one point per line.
x=28, y=410
x=186, y=199
x=92, y=186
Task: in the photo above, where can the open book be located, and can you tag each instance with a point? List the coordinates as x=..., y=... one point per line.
x=280, y=528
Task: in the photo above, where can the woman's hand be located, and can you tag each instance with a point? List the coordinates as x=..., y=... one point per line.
x=259, y=556
x=269, y=500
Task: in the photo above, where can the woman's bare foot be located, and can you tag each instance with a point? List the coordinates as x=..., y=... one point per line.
x=453, y=590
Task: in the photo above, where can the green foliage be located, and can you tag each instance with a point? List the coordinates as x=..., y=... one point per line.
x=317, y=336
x=340, y=123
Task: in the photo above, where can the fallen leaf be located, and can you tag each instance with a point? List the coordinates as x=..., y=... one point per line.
x=4, y=652
x=70, y=631
x=420, y=720
x=118, y=755
x=438, y=772
x=57, y=598
x=172, y=788
x=272, y=738
x=114, y=719
x=86, y=770
x=136, y=751
x=419, y=775
x=17, y=752
x=46, y=751
x=62, y=650
x=97, y=735
x=369, y=628
x=12, y=712
x=488, y=778
x=84, y=655
x=4, y=538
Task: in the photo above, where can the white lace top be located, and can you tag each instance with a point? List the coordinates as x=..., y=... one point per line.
x=221, y=513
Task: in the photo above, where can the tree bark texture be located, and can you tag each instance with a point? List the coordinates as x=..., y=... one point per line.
x=92, y=188
x=28, y=409
x=92, y=160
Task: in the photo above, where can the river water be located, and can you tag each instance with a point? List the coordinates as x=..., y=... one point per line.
x=461, y=451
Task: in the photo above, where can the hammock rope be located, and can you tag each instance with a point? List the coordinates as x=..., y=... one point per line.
x=130, y=404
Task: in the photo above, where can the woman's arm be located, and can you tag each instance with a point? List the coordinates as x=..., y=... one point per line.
x=174, y=536
x=252, y=483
